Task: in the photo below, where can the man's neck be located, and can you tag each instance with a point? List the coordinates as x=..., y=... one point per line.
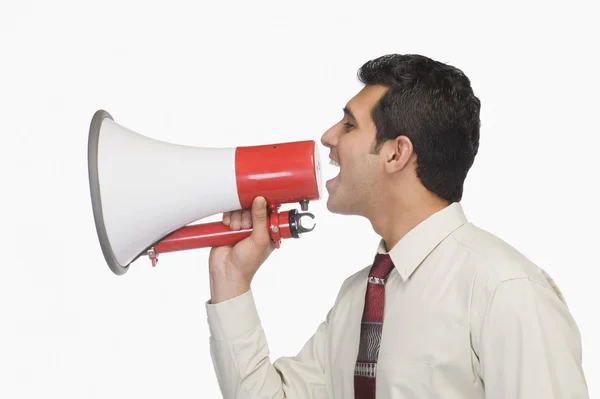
x=395, y=219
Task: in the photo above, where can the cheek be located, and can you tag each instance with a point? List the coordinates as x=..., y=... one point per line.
x=362, y=174
x=358, y=165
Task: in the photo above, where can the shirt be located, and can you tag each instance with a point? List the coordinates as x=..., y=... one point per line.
x=466, y=316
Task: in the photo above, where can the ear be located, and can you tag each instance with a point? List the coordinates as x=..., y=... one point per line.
x=398, y=154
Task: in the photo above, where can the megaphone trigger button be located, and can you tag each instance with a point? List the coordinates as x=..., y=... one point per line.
x=304, y=205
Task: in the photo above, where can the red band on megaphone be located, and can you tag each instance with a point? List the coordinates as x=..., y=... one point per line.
x=282, y=173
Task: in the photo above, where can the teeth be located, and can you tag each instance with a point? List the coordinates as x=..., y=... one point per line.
x=332, y=162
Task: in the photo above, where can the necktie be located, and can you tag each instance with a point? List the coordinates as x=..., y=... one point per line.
x=365, y=369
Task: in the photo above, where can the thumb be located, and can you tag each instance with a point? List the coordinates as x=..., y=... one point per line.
x=260, y=231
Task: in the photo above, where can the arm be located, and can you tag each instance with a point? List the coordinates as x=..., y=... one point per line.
x=241, y=356
x=238, y=345
x=529, y=345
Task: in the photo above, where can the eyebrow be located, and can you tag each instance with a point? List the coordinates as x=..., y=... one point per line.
x=347, y=111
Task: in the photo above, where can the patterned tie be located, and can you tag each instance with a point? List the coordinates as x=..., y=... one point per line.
x=365, y=369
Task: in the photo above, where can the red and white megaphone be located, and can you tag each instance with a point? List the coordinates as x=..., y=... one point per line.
x=145, y=192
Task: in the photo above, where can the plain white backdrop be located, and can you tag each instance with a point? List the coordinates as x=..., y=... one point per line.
x=243, y=73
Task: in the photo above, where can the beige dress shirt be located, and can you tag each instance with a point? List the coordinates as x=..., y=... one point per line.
x=466, y=316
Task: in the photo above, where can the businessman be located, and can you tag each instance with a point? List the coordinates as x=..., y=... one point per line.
x=445, y=310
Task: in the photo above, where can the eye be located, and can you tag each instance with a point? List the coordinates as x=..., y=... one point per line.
x=348, y=125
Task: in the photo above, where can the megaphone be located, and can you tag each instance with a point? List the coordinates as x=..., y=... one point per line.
x=145, y=193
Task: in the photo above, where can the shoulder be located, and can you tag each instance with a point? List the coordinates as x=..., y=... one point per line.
x=355, y=281
x=350, y=286
x=497, y=260
x=505, y=281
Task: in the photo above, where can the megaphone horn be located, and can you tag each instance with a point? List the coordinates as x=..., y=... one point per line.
x=146, y=192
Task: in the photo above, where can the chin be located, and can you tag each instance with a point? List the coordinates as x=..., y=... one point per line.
x=340, y=209
x=332, y=206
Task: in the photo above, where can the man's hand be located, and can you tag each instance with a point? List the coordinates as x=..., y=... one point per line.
x=232, y=268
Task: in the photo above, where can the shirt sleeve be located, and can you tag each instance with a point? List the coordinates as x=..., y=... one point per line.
x=240, y=355
x=530, y=346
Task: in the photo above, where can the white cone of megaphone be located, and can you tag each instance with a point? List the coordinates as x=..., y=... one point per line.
x=146, y=192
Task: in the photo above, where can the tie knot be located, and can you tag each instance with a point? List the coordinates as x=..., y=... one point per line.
x=382, y=266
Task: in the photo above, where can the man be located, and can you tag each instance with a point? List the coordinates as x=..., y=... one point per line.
x=447, y=310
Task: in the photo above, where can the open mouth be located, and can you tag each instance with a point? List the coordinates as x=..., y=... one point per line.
x=334, y=170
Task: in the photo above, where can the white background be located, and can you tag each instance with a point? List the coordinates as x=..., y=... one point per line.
x=245, y=73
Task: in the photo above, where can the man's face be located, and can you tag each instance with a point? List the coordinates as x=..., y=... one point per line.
x=351, y=142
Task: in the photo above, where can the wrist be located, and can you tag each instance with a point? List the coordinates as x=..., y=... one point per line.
x=224, y=287
x=233, y=319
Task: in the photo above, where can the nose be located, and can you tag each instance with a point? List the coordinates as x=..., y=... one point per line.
x=330, y=137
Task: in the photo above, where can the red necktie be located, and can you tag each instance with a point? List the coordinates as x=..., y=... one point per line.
x=365, y=369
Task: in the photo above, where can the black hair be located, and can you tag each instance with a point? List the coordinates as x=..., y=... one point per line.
x=432, y=104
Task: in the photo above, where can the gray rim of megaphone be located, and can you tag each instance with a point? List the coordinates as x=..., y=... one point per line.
x=93, y=138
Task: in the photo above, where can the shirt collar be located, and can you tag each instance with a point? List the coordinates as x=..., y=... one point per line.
x=414, y=247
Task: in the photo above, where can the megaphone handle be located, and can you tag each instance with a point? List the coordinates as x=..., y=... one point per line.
x=217, y=234
x=201, y=236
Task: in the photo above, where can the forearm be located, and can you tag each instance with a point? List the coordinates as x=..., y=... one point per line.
x=241, y=356
x=224, y=287
x=240, y=352
x=243, y=368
